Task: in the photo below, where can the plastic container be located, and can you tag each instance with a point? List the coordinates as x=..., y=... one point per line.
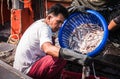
x=78, y=18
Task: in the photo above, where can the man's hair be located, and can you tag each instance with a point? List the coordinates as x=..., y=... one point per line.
x=57, y=9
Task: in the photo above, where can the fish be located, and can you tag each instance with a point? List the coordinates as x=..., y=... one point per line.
x=86, y=37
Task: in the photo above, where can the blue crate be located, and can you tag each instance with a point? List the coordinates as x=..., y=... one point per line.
x=78, y=18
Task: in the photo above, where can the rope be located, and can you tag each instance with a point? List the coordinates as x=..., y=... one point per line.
x=42, y=5
x=13, y=40
x=94, y=71
x=25, y=1
x=46, y=7
x=8, y=4
x=85, y=72
x=2, y=18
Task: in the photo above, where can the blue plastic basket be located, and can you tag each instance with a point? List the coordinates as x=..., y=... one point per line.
x=81, y=18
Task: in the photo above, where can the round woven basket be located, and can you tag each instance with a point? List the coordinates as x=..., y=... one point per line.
x=77, y=19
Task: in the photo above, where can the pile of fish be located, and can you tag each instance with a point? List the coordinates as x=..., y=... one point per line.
x=86, y=37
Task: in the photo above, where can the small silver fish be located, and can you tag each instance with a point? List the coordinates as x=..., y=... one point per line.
x=86, y=37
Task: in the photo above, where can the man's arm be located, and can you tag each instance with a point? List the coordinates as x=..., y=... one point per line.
x=114, y=23
x=66, y=54
x=50, y=49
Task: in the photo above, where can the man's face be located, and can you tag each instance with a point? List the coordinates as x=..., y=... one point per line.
x=55, y=22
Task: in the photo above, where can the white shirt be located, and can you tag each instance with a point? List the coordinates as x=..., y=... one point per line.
x=29, y=47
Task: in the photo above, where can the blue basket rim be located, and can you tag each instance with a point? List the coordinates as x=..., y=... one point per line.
x=105, y=36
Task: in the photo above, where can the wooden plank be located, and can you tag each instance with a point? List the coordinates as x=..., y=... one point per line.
x=8, y=72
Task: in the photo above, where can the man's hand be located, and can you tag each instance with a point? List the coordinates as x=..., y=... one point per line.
x=76, y=57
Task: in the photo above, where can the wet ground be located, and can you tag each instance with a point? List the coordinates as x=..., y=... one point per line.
x=6, y=50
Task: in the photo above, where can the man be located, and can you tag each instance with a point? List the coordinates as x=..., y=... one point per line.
x=36, y=56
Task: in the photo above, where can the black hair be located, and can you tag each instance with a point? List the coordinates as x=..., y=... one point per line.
x=58, y=8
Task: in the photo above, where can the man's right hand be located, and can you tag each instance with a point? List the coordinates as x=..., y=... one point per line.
x=74, y=56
